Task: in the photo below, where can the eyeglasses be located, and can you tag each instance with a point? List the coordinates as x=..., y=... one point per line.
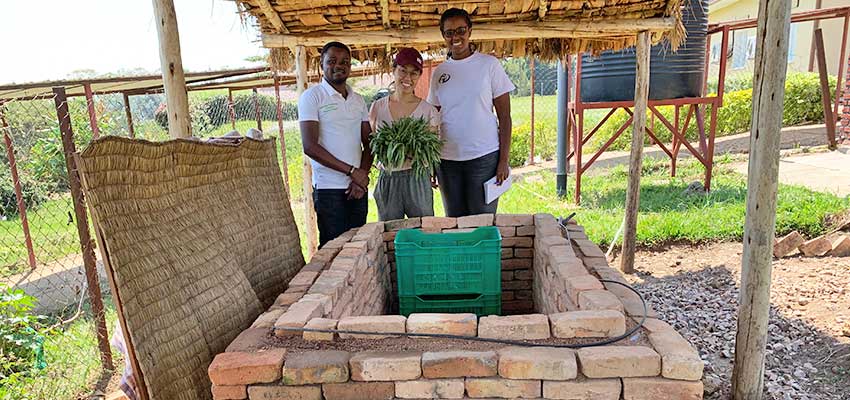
x=452, y=32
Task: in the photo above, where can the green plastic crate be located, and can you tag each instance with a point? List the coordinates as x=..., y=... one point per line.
x=462, y=263
x=481, y=305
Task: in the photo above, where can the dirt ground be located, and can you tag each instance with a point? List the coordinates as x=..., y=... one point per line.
x=695, y=288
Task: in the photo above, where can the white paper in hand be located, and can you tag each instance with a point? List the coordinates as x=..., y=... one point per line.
x=492, y=191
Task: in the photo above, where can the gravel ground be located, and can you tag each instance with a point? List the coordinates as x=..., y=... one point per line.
x=695, y=288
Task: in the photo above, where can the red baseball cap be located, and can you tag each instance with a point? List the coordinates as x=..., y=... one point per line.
x=409, y=56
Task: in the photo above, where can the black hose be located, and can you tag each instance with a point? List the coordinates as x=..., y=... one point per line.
x=489, y=340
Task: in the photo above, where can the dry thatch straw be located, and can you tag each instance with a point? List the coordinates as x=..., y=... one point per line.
x=198, y=239
x=327, y=17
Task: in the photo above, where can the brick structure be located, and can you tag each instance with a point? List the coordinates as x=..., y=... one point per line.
x=555, y=291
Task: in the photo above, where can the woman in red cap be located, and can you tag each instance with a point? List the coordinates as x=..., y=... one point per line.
x=403, y=193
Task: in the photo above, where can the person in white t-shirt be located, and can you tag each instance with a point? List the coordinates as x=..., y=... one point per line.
x=466, y=88
x=335, y=133
x=400, y=192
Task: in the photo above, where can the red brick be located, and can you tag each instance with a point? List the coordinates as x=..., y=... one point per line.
x=430, y=389
x=516, y=327
x=679, y=360
x=502, y=388
x=619, y=361
x=453, y=324
x=816, y=247
x=787, y=244
x=458, y=364
x=250, y=340
x=321, y=366
x=525, y=230
x=277, y=392
x=386, y=366
x=517, y=263
x=516, y=285
x=267, y=319
x=287, y=299
x=237, y=392
x=399, y=224
x=507, y=231
x=583, y=389
x=518, y=241
x=514, y=219
x=523, y=275
x=547, y=363
x=372, y=323
x=523, y=253
x=582, y=324
x=297, y=316
x=359, y=391
x=474, y=221
x=439, y=222
x=238, y=368
x=660, y=388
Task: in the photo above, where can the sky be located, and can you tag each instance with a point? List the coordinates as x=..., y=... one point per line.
x=50, y=39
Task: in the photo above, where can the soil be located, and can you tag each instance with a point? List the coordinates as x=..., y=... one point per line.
x=295, y=344
x=695, y=288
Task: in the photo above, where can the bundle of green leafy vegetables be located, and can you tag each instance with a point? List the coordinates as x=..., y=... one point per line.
x=409, y=138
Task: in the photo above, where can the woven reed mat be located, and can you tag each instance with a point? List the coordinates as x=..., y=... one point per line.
x=200, y=238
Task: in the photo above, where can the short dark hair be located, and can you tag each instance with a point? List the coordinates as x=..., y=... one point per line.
x=452, y=13
x=337, y=45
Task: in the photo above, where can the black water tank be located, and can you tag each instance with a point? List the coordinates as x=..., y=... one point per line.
x=610, y=76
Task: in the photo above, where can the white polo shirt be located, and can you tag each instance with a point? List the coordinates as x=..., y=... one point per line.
x=465, y=89
x=339, y=129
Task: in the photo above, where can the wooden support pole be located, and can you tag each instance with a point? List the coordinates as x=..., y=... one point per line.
x=839, y=85
x=174, y=81
x=82, y=221
x=825, y=94
x=16, y=182
x=95, y=131
x=257, y=112
x=531, y=67
x=129, y=112
x=282, y=141
x=627, y=261
x=310, y=225
x=771, y=64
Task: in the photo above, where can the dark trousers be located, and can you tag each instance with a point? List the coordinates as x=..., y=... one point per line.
x=462, y=185
x=335, y=214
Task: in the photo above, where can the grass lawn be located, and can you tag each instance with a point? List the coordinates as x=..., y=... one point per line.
x=666, y=214
x=52, y=234
x=73, y=363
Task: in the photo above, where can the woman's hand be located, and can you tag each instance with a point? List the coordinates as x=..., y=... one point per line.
x=502, y=172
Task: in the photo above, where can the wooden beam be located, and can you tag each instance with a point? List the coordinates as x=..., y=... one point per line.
x=828, y=118
x=627, y=261
x=385, y=13
x=282, y=142
x=310, y=224
x=272, y=15
x=174, y=80
x=496, y=31
x=95, y=130
x=771, y=64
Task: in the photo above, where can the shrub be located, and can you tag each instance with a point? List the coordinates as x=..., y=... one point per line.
x=21, y=335
x=802, y=105
x=34, y=193
x=545, y=141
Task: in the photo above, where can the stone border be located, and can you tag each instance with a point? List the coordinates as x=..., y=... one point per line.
x=348, y=285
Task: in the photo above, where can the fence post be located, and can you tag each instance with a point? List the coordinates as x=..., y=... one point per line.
x=563, y=126
x=82, y=226
x=19, y=196
x=231, y=108
x=129, y=112
x=310, y=224
x=280, y=134
x=95, y=131
x=828, y=117
x=257, y=109
x=531, y=156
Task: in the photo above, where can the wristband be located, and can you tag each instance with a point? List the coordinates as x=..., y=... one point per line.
x=351, y=171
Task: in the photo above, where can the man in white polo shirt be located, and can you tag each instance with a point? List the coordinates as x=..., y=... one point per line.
x=335, y=133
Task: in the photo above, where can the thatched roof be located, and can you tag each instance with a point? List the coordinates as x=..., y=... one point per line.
x=549, y=29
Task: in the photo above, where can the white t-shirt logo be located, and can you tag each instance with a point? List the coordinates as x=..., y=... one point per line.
x=445, y=78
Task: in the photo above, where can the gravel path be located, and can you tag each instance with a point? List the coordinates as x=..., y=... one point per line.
x=695, y=288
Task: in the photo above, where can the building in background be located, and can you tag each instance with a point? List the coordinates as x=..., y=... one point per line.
x=801, y=55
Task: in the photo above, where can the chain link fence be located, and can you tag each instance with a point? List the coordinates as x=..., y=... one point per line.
x=40, y=250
